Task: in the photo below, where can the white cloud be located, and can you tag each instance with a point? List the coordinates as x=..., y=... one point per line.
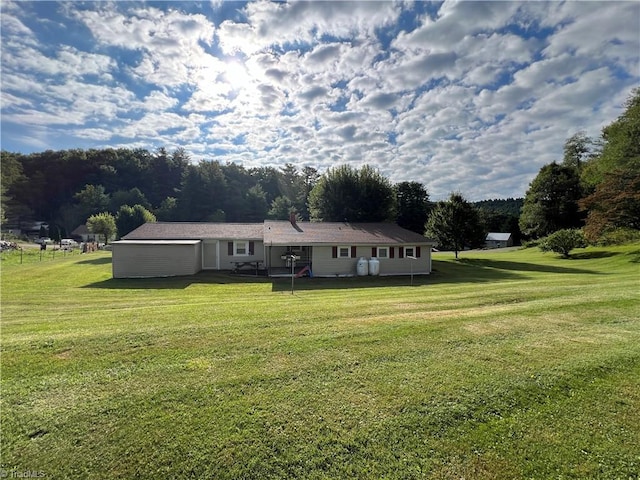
x=269, y=23
x=153, y=125
x=159, y=101
x=455, y=21
x=475, y=98
x=14, y=27
x=93, y=133
x=170, y=42
x=67, y=62
x=610, y=32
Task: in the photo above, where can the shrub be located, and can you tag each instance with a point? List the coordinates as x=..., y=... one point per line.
x=619, y=236
x=534, y=242
x=563, y=241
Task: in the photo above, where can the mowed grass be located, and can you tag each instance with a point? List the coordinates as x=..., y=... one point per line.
x=31, y=253
x=500, y=365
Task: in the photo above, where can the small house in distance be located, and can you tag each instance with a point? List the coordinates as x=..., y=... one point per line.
x=82, y=234
x=321, y=249
x=498, y=240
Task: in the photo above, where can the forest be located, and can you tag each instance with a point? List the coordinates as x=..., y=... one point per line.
x=64, y=188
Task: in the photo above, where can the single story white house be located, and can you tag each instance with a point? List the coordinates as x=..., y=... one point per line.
x=498, y=240
x=83, y=234
x=323, y=249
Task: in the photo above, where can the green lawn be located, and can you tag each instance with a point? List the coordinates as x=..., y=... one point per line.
x=500, y=365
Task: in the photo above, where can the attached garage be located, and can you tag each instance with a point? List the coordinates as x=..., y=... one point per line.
x=156, y=258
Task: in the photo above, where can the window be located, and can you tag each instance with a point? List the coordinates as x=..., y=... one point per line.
x=343, y=252
x=383, y=252
x=241, y=248
x=412, y=252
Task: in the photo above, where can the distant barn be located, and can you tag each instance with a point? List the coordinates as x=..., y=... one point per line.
x=498, y=240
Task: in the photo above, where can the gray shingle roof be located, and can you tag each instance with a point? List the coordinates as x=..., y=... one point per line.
x=196, y=231
x=81, y=230
x=282, y=233
x=330, y=233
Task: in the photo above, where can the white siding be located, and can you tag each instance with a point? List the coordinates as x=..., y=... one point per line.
x=226, y=260
x=326, y=266
x=323, y=265
x=139, y=259
x=402, y=266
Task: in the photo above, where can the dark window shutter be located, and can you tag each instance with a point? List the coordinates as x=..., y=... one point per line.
x=392, y=252
x=417, y=252
x=334, y=252
x=230, y=248
x=251, y=247
x=353, y=252
x=400, y=252
x=373, y=251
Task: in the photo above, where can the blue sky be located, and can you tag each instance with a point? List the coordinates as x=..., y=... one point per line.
x=461, y=96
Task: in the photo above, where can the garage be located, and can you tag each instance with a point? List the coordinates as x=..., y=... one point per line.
x=156, y=258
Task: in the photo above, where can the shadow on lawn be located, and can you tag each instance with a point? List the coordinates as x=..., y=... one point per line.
x=342, y=283
x=466, y=270
x=176, y=283
x=96, y=261
x=523, y=267
x=592, y=255
x=634, y=256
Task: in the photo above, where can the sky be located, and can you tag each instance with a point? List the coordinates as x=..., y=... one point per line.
x=472, y=97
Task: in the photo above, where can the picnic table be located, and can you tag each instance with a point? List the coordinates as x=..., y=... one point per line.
x=253, y=265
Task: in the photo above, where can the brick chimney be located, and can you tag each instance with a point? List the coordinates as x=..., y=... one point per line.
x=292, y=218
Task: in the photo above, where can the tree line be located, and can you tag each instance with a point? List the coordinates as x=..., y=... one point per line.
x=595, y=188
x=119, y=189
x=67, y=187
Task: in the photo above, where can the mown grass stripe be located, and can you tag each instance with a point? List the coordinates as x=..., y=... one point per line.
x=501, y=365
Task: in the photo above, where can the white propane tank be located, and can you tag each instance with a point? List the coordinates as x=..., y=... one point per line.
x=362, y=267
x=374, y=266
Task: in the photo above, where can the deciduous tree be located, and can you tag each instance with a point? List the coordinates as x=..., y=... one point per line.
x=92, y=199
x=412, y=202
x=167, y=211
x=455, y=224
x=620, y=144
x=129, y=218
x=551, y=203
x=577, y=150
x=344, y=194
x=11, y=175
x=615, y=203
x=130, y=197
x=614, y=175
x=102, y=224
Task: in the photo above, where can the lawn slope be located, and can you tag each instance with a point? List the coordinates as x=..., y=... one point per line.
x=499, y=365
